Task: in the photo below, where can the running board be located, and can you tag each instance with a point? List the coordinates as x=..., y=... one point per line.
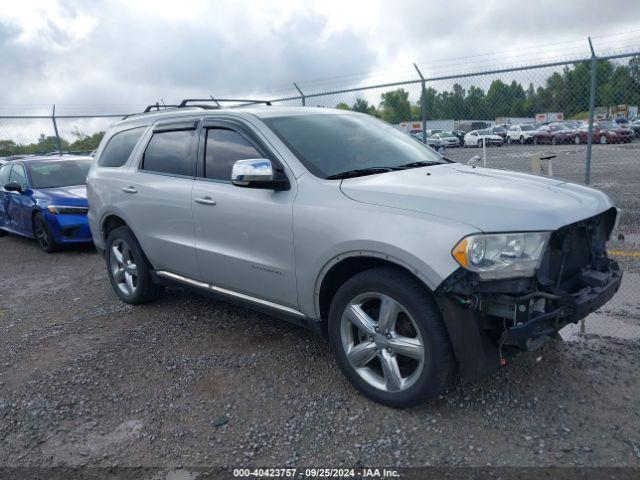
x=229, y=293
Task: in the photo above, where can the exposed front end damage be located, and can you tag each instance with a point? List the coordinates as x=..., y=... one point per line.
x=488, y=319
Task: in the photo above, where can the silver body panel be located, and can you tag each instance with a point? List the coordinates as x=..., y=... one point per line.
x=276, y=247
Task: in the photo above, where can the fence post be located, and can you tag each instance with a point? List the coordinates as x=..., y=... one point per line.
x=592, y=106
x=302, y=96
x=423, y=105
x=55, y=128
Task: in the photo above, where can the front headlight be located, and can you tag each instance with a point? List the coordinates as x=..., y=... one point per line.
x=58, y=210
x=501, y=255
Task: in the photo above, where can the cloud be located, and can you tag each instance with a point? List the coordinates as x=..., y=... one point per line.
x=108, y=55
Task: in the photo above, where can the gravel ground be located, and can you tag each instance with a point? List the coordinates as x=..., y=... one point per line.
x=188, y=381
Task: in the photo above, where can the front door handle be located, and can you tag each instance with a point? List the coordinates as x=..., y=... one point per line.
x=129, y=190
x=205, y=201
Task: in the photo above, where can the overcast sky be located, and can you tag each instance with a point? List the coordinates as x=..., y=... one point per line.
x=119, y=53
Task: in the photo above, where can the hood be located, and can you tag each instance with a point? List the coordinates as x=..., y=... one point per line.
x=487, y=199
x=76, y=195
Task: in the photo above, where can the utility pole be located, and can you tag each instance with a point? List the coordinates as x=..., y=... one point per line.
x=592, y=107
x=423, y=105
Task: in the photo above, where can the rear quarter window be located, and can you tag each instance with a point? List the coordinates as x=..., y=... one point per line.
x=119, y=147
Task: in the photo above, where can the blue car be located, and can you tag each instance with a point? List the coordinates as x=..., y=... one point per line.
x=45, y=198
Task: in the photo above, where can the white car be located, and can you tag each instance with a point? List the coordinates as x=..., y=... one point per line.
x=475, y=138
x=521, y=133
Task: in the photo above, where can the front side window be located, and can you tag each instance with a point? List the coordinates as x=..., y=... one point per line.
x=56, y=174
x=120, y=146
x=330, y=144
x=18, y=175
x=224, y=148
x=171, y=153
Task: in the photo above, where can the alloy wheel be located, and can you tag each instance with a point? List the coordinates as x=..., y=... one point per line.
x=382, y=342
x=123, y=267
x=42, y=235
x=603, y=140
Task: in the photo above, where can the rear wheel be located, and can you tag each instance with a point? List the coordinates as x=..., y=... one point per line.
x=603, y=140
x=389, y=338
x=577, y=140
x=554, y=141
x=43, y=234
x=129, y=269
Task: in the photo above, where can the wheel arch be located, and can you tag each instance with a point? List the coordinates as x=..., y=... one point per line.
x=110, y=222
x=342, y=267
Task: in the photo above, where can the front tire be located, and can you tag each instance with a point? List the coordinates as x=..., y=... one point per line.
x=389, y=338
x=129, y=270
x=42, y=233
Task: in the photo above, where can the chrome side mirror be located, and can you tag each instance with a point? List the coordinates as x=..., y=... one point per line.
x=258, y=173
x=473, y=161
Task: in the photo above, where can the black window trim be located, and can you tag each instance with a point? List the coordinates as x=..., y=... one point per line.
x=172, y=126
x=226, y=123
x=130, y=153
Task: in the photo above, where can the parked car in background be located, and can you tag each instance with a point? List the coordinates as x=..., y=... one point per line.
x=553, y=134
x=432, y=131
x=45, y=198
x=521, y=133
x=500, y=131
x=460, y=134
x=448, y=138
x=634, y=125
x=476, y=138
x=467, y=126
x=622, y=121
x=604, y=131
x=435, y=143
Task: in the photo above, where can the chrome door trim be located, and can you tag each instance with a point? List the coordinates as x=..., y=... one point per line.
x=229, y=293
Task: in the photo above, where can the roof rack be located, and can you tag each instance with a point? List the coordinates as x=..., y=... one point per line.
x=243, y=102
x=187, y=101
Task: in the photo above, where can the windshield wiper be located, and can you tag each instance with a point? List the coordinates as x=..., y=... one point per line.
x=423, y=163
x=360, y=172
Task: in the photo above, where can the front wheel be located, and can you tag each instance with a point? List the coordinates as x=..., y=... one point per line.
x=603, y=140
x=129, y=269
x=42, y=233
x=577, y=140
x=389, y=338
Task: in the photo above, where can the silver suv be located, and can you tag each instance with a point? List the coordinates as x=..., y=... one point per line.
x=417, y=269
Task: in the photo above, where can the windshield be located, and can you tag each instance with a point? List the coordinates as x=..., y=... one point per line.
x=330, y=144
x=527, y=128
x=559, y=126
x=608, y=124
x=485, y=132
x=499, y=129
x=63, y=173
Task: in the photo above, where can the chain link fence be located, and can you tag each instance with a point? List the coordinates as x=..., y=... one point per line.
x=576, y=120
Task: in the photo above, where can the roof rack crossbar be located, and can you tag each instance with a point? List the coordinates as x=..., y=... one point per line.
x=186, y=101
x=157, y=106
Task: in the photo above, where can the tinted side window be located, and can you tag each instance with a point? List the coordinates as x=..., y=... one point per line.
x=120, y=146
x=171, y=152
x=224, y=148
x=18, y=175
x=4, y=175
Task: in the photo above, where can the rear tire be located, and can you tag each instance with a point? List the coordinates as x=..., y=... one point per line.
x=603, y=140
x=129, y=270
x=577, y=140
x=42, y=234
x=401, y=362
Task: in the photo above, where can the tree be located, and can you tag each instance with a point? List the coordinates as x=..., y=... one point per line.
x=343, y=106
x=395, y=106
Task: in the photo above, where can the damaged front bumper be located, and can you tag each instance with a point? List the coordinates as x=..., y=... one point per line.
x=538, y=316
x=487, y=320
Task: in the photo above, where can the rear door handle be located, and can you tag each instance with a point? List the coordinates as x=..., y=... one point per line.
x=129, y=190
x=205, y=201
